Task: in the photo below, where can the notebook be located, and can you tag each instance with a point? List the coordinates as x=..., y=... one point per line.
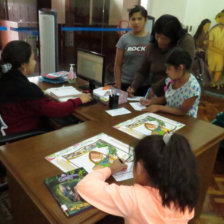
x=62, y=189
x=63, y=93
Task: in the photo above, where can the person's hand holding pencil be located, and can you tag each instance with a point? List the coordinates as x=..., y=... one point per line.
x=145, y=101
x=147, y=93
x=118, y=165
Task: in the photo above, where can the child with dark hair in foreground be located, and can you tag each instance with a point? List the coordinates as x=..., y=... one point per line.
x=165, y=189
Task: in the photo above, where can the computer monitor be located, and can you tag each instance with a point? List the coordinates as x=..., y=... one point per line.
x=90, y=66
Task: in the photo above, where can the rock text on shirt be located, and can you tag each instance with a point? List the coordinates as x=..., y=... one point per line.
x=136, y=49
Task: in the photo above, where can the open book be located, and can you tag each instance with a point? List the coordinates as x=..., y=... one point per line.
x=62, y=189
x=63, y=93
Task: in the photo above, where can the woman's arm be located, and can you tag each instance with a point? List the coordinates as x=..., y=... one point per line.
x=117, y=67
x=143, y=72
x=52, y=108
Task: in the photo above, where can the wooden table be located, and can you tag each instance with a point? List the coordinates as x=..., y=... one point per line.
x=27, y=168
x=203, y=137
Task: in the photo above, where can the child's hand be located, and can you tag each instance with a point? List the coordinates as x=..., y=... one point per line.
x=117, y=166
x=145, y=102
x=85, y=97
x=152, y=108
x=151, y=94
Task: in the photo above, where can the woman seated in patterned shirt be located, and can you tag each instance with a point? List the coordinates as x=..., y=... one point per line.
x=182, y=91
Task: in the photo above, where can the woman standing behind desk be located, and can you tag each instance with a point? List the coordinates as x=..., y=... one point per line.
x=167, y=33
x=22, y=104
x=201, y=35
x=131, y=48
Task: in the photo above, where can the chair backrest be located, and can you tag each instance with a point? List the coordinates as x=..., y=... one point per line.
x=15, y=137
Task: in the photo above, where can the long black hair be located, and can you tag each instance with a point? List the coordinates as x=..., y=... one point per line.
x=200, y=28
x=171, y=168
x=16, y=53
x=169, y=26
x=140, y=9
x=14, y=86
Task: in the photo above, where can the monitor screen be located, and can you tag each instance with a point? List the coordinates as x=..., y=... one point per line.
x=90, y=66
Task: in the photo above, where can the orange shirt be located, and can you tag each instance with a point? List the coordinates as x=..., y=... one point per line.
x=136, y=204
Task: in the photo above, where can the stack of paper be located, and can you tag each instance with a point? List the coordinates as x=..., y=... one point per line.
x=63, y=93
x=102, y=93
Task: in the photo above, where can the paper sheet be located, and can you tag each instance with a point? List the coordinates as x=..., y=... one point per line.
x=96, y=152
x=125, y=175
x=117, y=112
x=135, y=98
x=137, y=106
x=148, y=124
x=63, y=93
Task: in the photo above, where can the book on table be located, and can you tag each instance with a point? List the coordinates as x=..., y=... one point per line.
x=63, y=93
x=62, y=187
x=55, y=77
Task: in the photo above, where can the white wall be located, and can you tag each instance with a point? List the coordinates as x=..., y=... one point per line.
x=157, y=8
x=115, y=13
x=127, y=5
x=119, y=10
x=197, y=10
x=189, y=12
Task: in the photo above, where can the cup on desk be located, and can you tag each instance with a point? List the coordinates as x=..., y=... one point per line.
x=113, y=101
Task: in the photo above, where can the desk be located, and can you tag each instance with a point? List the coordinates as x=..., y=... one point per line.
x=27, y=168
x=203, y=137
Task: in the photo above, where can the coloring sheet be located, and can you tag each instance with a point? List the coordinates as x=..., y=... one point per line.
x=148, y=124
x=93, y=153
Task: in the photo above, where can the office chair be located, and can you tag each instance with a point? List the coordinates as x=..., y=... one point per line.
x=15, y=137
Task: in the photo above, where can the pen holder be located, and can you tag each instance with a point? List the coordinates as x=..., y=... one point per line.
x=113, y=101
